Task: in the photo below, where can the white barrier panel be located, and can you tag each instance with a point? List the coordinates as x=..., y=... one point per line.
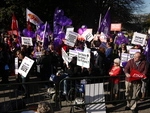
x=94, y=93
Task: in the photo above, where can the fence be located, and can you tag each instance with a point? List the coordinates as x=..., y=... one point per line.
x=81, y=93
x=98, y=93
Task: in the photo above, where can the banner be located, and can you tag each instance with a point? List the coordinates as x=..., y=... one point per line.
x=26, y=41
x=70, y=38
x=136, y=75
x=25, y=66
x=115, y=27
x=83, y=59
x=34, y=19
x=139, y=39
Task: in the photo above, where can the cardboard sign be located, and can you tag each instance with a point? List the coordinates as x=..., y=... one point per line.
x=64, y=56
x=139, y=39
x=25, y=66
x=70, y=38
x=88, y=36
x=115, y=27
x=26, y=41
x=83, y=59
x=94, y=93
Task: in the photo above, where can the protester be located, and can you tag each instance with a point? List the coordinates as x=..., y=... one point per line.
x=114, y=72
x=133, y=85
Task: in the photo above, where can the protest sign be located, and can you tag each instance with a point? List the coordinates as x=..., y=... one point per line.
x=88, y=36
x=136, y=75
x=64, y=56
x=26, y=41
x=83, y=59
x=124, y=58
x=139, y=39
x=25, y=66
x=72, y=53
x=115, y=27
x=70, y=38
x=132, y=52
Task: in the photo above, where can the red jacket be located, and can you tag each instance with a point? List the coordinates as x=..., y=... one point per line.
x=115, y=72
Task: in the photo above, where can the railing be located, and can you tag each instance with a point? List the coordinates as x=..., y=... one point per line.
x=84, y=98
x=12, y=96
x=13, y=100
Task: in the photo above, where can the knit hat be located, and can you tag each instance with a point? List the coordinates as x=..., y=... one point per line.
x=117, y=60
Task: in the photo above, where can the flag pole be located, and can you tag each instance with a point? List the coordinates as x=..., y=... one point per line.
x=100, y=17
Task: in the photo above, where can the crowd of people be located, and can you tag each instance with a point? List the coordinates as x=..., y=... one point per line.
x=105, y=60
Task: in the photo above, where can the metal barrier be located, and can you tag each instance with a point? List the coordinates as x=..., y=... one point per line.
x=12, y=98
x=75, y=96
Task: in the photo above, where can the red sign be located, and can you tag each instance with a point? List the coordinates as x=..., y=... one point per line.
x=115, y=27
x=136, y=75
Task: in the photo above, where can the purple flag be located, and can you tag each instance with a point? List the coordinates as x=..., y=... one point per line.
x=105, y=24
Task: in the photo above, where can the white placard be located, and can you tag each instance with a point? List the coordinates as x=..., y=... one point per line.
x=26, y=41
x=70, y=38
x=94, y=93
x=139, y=39
x=70, y=29
x=64, y=56
x=38, y=54
x=124, y=58
x=132, y=52
x=88, y=36
x=129, y=47
x=72, y=53
x=25, y=66
x=83, y=59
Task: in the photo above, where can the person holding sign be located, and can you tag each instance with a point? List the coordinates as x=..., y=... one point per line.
x=20, y=78
x=135, y=70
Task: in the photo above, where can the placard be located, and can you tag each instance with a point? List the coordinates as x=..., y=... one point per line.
x=83, y=59
x=132, y=52
x=115, y=27
x=139, y=39
x=70, y=38
x=124, y=58
x=64, y=56
x=94, y=93
x=26, y=41
x=25, y=66
x=72, y=53
x=88, y=36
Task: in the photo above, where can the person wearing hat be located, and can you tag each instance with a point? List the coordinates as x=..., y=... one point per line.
x=114, y=73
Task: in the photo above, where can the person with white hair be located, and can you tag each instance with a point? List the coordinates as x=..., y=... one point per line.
x=114, y=72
